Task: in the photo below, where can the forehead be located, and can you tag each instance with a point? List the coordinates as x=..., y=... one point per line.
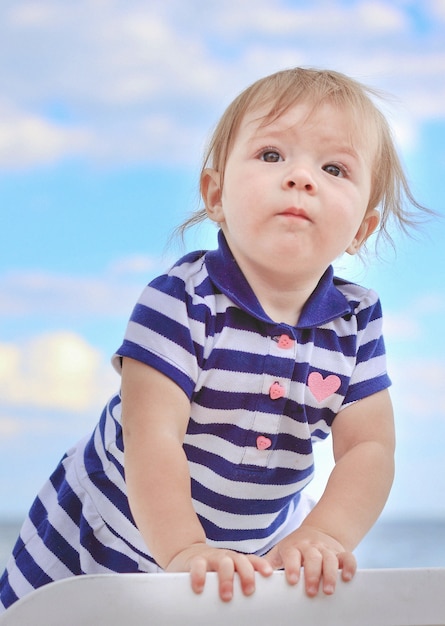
x=326, y=122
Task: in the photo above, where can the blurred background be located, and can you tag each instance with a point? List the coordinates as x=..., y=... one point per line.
x=105, y=109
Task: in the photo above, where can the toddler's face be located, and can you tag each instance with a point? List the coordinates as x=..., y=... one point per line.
x=295, y=192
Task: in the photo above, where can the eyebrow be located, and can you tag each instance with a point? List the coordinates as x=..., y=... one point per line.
x=262, y=133
x=348, y=149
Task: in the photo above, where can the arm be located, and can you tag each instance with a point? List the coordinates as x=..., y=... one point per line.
x=155, y=414
x=363, y=442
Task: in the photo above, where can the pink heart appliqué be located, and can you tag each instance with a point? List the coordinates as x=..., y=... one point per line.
x=322, y=388
x=262, y=443
x=276, y=391
x=285, y=342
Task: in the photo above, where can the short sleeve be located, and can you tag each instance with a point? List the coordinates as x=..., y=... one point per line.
x=159, y=332
x=370, y=372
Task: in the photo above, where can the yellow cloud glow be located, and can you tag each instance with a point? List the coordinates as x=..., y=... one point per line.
x=56, y=370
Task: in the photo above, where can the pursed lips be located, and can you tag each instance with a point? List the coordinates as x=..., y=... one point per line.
x=293, y=212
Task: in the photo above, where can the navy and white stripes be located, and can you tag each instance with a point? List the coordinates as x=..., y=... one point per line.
x=260, y=392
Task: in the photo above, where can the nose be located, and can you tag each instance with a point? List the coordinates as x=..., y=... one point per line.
x=301, y=179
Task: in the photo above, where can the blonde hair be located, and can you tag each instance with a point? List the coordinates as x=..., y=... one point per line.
x=390, y=191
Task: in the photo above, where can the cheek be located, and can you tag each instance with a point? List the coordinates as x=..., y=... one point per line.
x=240, y=196
x=344, y=217
x=354, y=203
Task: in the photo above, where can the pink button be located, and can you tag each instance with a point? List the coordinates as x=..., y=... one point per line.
x=262, y=443
x=276, y=391
x=285, y=342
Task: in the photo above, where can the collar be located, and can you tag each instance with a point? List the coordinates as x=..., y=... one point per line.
x=324, y=304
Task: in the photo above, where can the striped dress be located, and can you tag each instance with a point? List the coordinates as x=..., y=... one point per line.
x=261, y=393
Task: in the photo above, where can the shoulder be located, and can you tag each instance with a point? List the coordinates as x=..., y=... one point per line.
x=356, y=294
x=361, y=299
x=185, y=294
x=188, y=269
x=168, y=325
x=186, y=280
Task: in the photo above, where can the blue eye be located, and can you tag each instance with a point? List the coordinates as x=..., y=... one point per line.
x=270, y=156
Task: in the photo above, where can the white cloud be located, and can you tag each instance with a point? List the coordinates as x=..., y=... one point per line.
x=263, y=18
x=143, y=81
x=379, y=17
x=27, y=139
x=51, y=293
x=419, y=390
x=28, y=14
x=23, y=425
x=136, y=264
x=111, y=294
x=438, y=9
x=57, y=370
x=401, y=327
x=10, y=427
x=431, y=303
x=415, y=320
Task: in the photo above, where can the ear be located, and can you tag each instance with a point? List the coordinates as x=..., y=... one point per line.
x=211, y=193
x=367, y=227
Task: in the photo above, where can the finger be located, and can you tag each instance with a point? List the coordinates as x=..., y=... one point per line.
x=198, y=570
x=246, y=573
x=313, y=567
x=292, y=566
x=330, y=572
x=274, y=559
x=226, y=572
x=348, y=565
x=260, y=564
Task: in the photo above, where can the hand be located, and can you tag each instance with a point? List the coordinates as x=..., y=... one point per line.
x=200, y=558
x=319, y=554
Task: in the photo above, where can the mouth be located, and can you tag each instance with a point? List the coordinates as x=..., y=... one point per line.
x=295, y=213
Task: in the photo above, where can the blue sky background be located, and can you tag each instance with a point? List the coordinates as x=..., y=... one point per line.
x=105, y=106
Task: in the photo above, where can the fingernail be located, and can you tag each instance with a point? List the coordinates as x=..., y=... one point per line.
x=312, y=590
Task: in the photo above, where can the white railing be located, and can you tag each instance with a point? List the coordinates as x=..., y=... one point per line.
x=386, y=597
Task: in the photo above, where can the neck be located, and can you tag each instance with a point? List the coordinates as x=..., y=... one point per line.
x=283, y=301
